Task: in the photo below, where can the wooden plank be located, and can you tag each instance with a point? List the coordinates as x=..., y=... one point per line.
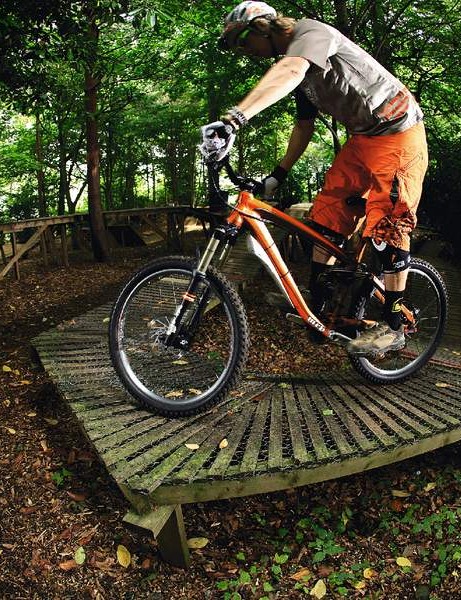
x=329, y=420
x=373, y=424
x=275, y=456
x=234, y=438
x=265, y=482
x=298, y=443
x=255, y=438
x=350, y=420
x=406, y=410
x=362, y=409
x=321, y=450
x=197, y=459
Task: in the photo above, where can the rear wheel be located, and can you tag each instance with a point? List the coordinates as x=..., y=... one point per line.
x=178, y=370
x=426, y=296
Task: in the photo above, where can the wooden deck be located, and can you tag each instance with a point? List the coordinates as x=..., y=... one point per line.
x=280, y=433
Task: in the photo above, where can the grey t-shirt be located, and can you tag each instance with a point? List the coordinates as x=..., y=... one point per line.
x=346, y=82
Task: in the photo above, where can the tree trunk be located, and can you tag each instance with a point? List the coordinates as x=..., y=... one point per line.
x=342, y=17
x=62, y=168
x=98, y=231
x=109, y=170
x=40, y=172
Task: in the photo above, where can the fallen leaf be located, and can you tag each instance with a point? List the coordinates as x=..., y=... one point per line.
x=11, y=430
x=430, y=486
x=319, y=590
x=442, y=384
x=403, y=561
x=51, y=421
x=180, y=362
x=360, y=585
x=192, y=446
x=6, y=369
x=223, y=444
x=327, y=412
x=28, y=510
x=123, y=556
x=68, y=565
x=199, y=542
x=369, y=573
x=397, y=505
x=76, y=497
x=31, y=414
x=194, y=391
x=400, y=493
x=300, y=575
x=174, y=394
x=80, y=556
x=106, y=320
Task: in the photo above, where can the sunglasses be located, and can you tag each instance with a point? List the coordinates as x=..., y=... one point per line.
x=237, y=44
x=241, y=39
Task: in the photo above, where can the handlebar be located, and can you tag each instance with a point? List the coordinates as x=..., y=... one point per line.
x=243, y=183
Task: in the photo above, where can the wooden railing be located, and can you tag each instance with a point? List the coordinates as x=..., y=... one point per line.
x=168, y=223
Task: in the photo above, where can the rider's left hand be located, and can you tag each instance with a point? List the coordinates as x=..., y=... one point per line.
x=217, y=140
x=272, y=182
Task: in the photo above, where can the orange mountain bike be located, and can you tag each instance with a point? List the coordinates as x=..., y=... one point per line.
x=179, y=335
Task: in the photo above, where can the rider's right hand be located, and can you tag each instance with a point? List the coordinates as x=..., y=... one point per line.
x=272, y=182
x=217, y=140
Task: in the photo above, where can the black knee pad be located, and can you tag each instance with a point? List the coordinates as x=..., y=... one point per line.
x=393, y=259
x=333, y=236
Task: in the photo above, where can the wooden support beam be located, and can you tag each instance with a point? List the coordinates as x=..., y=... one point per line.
x=64, y=252
x=17, y=253
x=167, y=526
x=44, y=250
x=14, y=247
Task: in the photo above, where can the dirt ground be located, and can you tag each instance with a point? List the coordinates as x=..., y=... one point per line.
x=61, y=530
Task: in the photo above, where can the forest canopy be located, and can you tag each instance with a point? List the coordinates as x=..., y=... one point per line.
x=119, y=90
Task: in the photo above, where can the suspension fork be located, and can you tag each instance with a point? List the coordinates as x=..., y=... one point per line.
x=187, y=315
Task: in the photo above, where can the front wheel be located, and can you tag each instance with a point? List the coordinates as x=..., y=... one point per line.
x=178, y=366
x=426, y=297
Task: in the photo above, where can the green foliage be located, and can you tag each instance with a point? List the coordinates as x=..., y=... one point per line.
x=61, y=476
x=160, y=77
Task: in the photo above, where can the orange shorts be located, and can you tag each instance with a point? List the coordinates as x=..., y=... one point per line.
x=387, y=170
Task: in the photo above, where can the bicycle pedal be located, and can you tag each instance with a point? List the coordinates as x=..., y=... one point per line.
x=295, y=319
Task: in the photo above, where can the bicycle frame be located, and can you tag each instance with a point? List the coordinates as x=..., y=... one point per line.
x=251, y=213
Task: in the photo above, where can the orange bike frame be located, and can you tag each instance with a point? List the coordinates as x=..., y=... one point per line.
x=253, y=213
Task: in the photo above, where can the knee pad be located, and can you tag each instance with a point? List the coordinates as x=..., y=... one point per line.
x=333, y=236
x=393, y=259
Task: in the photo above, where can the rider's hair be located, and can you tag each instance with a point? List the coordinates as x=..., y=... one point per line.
x=279, y=24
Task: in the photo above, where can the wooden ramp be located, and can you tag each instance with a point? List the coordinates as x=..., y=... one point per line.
x=280, y=433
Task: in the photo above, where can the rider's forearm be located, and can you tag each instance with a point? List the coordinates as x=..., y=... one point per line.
x=278, y=82
x=299, y=139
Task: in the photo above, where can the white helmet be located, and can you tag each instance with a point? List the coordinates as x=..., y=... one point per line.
x=240, y=18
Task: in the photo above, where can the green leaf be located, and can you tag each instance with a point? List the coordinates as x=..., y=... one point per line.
x=244, y=577
x=222, y=585
x=281, y=559
x=80, y=555
x=267, y=587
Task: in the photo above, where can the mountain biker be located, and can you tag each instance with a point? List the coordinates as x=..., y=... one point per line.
x=384, y=159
